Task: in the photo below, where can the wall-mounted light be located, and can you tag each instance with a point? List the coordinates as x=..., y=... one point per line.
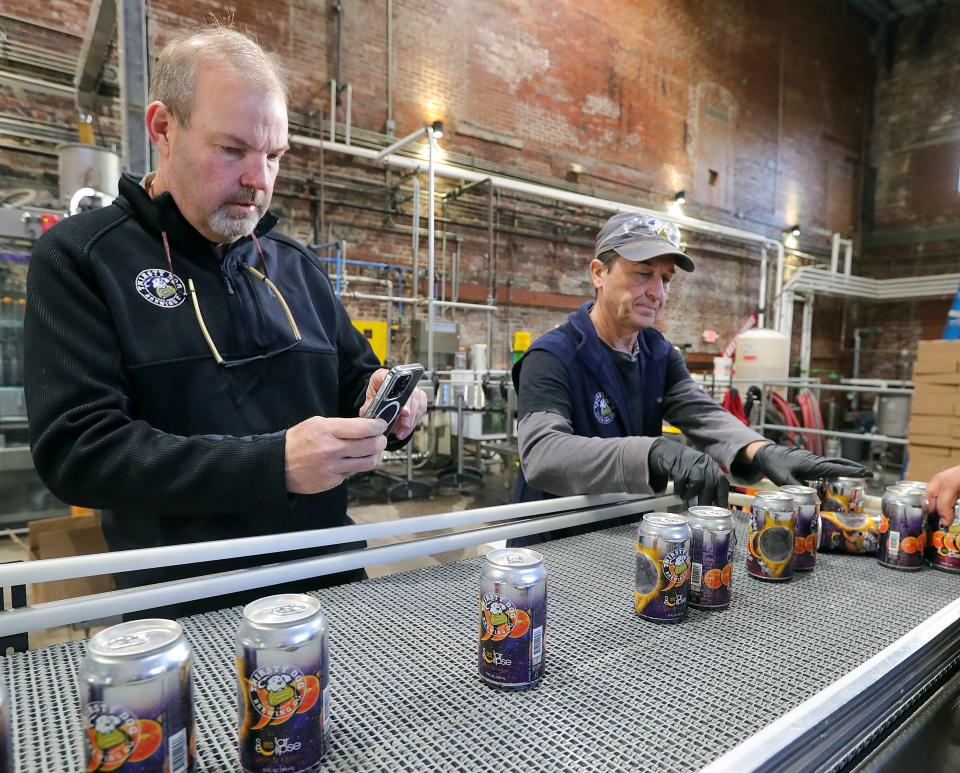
x=437, y=129
x=680, y=197
x=794, y=231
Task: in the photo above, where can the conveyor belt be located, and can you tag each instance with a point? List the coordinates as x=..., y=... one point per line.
x=619, y=694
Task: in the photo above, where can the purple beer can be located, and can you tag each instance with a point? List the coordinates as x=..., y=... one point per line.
x=662, y=582
x=903, y=529
x=136, y=695
x=945, y=543
x=807, y=536
x=712, y=541
x=283, y=684
x=511, y=652
x=771, y=528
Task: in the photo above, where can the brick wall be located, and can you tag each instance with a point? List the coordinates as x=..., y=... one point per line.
x=915, y=149
x=756, y=109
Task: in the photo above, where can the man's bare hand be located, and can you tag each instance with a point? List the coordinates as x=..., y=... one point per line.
x=942, y=491
x=410, y=414
x=321, y=452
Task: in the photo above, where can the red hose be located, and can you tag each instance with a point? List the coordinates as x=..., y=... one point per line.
x=812, y=419
x=789, y=418
x=734, y=405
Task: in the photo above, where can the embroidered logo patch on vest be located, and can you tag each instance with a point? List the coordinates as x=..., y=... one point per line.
x=161, y=288
x=603, y=408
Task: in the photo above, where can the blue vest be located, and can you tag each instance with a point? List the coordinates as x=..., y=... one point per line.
x=600, y=407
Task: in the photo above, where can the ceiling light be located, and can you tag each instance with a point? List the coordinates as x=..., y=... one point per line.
x=680, y=197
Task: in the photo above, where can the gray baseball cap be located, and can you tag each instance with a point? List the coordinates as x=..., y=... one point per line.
x=640, y=237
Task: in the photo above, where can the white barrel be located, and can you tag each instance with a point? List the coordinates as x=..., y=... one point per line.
x=87, y=166
x=762, y=355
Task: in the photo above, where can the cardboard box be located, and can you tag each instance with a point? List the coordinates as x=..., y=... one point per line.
x=937, y=357
x=936, y=378
x=935, y=400
x=938, y=440
x=69, y=536
x=934, y=425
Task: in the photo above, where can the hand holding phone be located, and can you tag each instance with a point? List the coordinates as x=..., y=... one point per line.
x=397, y=386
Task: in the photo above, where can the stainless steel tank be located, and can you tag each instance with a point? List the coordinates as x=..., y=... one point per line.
x=87, y=166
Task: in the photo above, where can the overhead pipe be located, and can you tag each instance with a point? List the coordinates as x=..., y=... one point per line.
x=545, y=191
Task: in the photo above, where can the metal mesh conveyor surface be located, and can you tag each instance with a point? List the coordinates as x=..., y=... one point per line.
x=620, y=693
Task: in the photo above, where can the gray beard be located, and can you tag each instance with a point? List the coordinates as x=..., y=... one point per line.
x=230, y=227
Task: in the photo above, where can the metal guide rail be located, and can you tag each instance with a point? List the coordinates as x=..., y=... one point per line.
x=619, y=693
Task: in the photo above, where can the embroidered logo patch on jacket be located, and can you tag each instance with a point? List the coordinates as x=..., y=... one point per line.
x=161, y=288
x=603, y=409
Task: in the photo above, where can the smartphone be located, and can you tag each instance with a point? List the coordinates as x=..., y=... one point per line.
x=393, y=393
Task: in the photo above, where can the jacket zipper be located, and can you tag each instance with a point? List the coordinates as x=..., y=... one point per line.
x=261, y=317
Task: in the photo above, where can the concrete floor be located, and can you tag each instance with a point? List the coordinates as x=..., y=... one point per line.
x=369, y=505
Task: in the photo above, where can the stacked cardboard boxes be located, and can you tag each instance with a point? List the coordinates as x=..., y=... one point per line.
x=934, y=432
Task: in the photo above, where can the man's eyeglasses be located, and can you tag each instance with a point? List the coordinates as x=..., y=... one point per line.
x=195, y=298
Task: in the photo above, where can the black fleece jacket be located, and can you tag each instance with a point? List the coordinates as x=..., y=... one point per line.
x=128, y=410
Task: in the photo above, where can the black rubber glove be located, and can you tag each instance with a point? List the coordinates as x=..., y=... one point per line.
x=693, y=474
x=794, y=466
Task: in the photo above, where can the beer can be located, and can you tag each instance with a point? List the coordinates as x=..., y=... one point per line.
x=932, y=520
x=946, y=544
x=771, y=529
x=844, y=527
x=136, y=696
x=903, y=529
x=712, y=541
x=843, y=495
x=283, y=684
x=807, y=536
x=511, y=652
x=6, y=731
x=662, y=582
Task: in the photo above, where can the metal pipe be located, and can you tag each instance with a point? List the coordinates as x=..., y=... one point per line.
x=898, y=441
x=455, y=287
x=48, y=569
x=390, y=128
x=834, y=252
x=389, y=150
x=857, y=346
x=339, y=48
x=463, y=305
x=762, y=302
x=431, y=295
x=844, y=387
x=333, y=111
x=101, y=605
x=349, y=118
x=415, y=232
x=778, y=299
x=806, y=336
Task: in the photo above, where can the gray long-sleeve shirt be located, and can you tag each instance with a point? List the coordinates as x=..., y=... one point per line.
x=562, y=463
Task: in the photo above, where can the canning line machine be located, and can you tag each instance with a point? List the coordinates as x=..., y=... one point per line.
x=851, y=667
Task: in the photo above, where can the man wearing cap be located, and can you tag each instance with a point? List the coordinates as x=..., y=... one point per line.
x=593, y=393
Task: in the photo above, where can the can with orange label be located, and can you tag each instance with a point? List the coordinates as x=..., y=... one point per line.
x=712, y=541
x=771, y=531
x=807, y=536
